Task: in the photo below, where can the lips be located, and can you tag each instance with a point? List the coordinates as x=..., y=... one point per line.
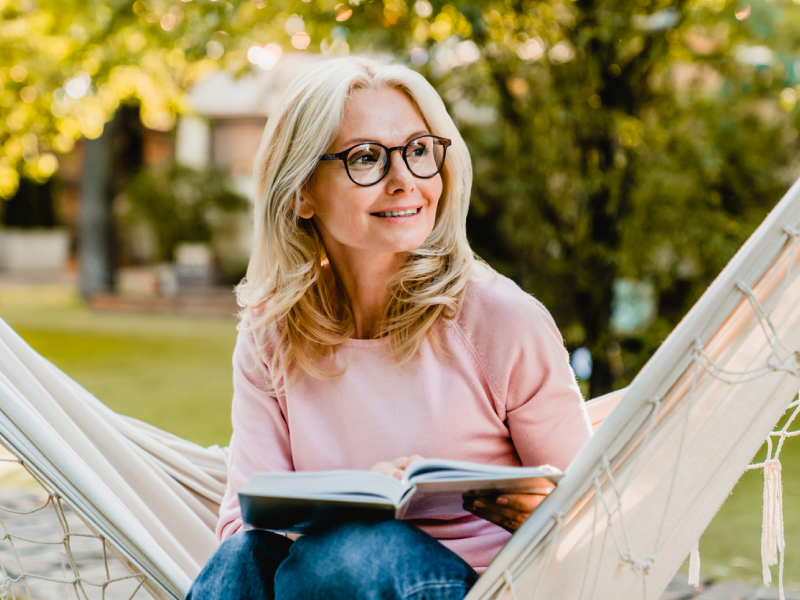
x=409, y=212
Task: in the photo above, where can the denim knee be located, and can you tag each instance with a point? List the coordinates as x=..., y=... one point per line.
x=371, y=561
x=243, y=566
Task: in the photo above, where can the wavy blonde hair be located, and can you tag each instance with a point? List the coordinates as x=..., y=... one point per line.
x=285, y=280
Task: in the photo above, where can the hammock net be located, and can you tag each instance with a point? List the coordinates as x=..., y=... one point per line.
x=133, y=508
x=48, y=551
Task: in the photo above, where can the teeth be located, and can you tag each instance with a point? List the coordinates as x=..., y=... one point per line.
x=400, y=213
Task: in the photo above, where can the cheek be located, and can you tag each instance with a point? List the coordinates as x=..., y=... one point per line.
x=343, y=212
x=433, y=193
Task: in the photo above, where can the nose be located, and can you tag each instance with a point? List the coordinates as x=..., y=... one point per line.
x=399, y=178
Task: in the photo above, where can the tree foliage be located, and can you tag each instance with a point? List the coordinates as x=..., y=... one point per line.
x=610, y=139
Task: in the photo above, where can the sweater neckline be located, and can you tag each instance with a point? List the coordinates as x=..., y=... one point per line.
x=364, y=343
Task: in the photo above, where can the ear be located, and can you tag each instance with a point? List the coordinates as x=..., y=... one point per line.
x=306, y=209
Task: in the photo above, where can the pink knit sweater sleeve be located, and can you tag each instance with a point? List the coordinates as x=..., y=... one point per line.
x=545, y=408
x=527, y=366
x=260, y=440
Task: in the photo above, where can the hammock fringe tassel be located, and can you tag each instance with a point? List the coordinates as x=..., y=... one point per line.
x=772, y=540
x=694, y=565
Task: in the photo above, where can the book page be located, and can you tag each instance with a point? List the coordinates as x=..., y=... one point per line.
x=338, y=484
x=439, y=469
x=445, y=499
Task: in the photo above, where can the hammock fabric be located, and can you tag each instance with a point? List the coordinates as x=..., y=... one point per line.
x=629, y=510
x=153, y=495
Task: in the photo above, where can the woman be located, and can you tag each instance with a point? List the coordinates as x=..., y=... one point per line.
x=371, y=337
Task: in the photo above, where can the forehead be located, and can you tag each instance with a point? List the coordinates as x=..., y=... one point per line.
x=386, y=115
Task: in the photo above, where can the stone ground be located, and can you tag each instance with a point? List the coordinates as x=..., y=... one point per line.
x=31, y=536
x=680, y=590
x=48, y=559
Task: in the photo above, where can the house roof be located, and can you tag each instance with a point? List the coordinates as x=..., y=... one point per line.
x=257, y=93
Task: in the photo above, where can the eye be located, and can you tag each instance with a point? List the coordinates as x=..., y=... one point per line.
x=362, y=158
x=365, y=156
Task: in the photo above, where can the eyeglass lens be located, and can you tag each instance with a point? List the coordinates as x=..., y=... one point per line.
x=367, y=163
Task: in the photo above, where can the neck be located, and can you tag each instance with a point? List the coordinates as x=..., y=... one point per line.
x=363, y=278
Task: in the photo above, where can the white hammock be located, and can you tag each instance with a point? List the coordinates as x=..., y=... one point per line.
x=637, y=497
x=152, y=494
x=619, y=525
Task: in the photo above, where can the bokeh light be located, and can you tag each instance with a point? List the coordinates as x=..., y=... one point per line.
x=342, y=12
x=28, y=94
x=78, y=86
x=743, y=12
x=168, y=21
x=532, y=49
x=562, y=52
x=215, y=50
x=301, y=40
x=18, y=73
x=419, y=56
x=423, y=8
x=265, y=57
x=48, y=164
x=294, y=24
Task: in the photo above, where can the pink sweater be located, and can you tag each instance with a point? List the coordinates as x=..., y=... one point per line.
x=506, y=395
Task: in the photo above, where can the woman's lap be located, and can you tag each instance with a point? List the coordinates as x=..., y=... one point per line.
x=389, y=560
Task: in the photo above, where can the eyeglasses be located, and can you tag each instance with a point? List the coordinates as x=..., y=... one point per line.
x=366, y=164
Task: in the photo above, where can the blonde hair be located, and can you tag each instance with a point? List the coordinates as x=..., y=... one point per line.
x=284, y=278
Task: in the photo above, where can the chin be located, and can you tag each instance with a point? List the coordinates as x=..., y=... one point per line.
x=406, y=245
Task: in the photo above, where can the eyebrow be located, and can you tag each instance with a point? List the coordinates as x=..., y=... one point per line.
x=354, y=141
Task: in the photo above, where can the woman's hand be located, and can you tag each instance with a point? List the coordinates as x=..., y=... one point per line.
x=509, y=511
x=396, y=467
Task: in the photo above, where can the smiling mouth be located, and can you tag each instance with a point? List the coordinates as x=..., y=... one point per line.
x=398, y=213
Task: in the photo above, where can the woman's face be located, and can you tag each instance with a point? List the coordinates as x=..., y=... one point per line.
x=350, y=218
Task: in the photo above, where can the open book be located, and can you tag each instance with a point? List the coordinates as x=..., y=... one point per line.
x=431, y=488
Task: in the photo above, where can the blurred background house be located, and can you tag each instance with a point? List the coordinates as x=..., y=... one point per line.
x=156, y=265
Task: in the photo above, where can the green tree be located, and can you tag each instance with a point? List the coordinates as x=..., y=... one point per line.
x=610, y=139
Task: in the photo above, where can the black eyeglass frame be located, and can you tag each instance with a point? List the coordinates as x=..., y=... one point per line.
x=343, y=157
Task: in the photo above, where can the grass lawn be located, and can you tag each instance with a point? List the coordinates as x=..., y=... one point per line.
x=730, y=549
x=171, y=371
x=175, y=372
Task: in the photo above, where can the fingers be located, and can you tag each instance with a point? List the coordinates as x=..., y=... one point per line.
x=507, y=510
x=519, y=502
x=527, y=501
x=404, y=461
x=507, y=518
x=550, y=468
x=396, y=467
x=388, y=468
x=506, y=505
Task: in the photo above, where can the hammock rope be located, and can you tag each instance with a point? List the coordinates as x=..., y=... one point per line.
x=557, y=517
x=71, y=578
x=773, y=543
x=772, y=522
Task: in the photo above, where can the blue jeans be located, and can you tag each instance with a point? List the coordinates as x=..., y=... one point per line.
x=387, y=560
